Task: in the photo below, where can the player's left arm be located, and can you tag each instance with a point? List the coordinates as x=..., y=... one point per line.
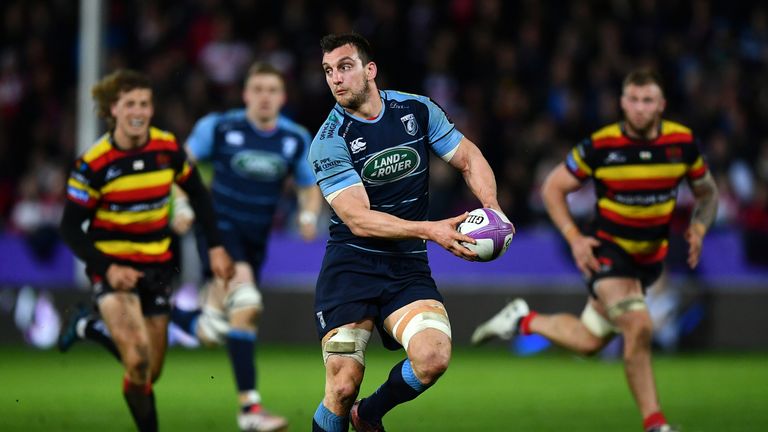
x=704, y=211
x=200, y=200
x=477, y=173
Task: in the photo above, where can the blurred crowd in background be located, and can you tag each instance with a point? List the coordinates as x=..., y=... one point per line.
x=525, y=80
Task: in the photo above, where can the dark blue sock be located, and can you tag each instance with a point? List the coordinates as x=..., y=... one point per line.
x=326, y=421
x=401, y=386
x=186, y=320
x=241, y=345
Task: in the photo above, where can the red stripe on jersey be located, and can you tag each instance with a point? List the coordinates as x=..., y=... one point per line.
x=144, y=194
x=634, y=222
x=614, y=141
x=652, y=257
x=674, y=138
x=134, y=228
x=697, y=173
x=90, y=204
x=158, y=145
x=104, y=159
x=642, y=184
x=142, y=258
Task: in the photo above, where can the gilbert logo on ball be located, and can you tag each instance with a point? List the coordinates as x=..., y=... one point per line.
x=492, y=231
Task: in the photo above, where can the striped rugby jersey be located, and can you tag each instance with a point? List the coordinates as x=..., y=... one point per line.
x=636, y=184
x=128, y=193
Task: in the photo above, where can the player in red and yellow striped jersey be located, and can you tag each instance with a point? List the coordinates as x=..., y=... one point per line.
x=121, y=186
x=636, y=166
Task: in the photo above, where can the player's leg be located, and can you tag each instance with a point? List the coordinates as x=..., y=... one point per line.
x=585, y=335
x=423, y=329
x=623, y=301
x=243, y=304
x=123, y=316
x=344, y=357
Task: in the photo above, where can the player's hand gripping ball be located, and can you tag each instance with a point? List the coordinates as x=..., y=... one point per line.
x=492, y=230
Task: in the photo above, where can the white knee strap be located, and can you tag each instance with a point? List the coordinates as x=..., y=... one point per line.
x=212, y=325
x=243, y=295
x=422, y=321
x=347, y=342
x=596, y=323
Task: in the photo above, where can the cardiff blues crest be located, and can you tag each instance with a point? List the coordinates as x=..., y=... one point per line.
x=409, y=121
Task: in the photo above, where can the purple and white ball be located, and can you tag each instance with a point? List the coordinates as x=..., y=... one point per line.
x=492, y=230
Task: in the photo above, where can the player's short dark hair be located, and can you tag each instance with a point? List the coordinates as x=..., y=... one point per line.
x=263, y=68
x=107, y=91
x=332, y=41
x=641, y=77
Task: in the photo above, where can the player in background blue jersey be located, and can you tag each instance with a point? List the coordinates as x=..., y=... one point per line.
x=253, y=152
x=371, y=160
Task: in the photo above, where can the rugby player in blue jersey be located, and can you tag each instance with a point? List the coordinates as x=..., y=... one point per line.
x=371, y=160
x=253, y=151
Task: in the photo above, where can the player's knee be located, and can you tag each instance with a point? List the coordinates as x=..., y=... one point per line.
x=212, y=327
x=136, y=361
x=431, y=365
x=638, y=331
x=592, y=345
x=344, y=378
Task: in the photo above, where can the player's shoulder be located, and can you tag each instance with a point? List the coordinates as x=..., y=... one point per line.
x=157, y=134
x=102, y=146
x=669, y=127
x=289, y=125
x=611, y=131
x=329, y=130
x=397, y=96
x=217, y=118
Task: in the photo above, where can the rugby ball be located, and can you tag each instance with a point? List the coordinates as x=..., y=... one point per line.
x=492, y=230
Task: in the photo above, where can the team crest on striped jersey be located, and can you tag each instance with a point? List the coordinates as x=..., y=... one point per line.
x=409, y=121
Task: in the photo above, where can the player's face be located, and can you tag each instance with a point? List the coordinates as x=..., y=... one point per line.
x=264, y=96
x=642, y=106
x=133, y=112
x=347, y=77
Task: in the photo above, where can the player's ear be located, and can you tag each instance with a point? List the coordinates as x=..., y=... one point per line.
x=371, y=70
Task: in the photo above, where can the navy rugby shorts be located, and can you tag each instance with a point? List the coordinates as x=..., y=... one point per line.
x=354, y=285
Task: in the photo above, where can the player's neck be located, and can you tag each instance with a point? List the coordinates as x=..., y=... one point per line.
x=648, y=134
x=125, y=142
x=371, y=108
x=263, y=124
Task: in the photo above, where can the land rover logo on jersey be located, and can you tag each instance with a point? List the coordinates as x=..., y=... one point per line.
x=390, y=165
x=409, y=121
x=258, y=165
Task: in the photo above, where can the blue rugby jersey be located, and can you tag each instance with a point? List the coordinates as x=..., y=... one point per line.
x=250, y=165
x=389, y=156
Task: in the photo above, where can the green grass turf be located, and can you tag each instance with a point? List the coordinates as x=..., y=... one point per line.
x=485, y=389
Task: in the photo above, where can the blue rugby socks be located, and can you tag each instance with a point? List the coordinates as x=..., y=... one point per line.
x=326, y=421
x=186, y=320
x=401, y=386
x=241, y=345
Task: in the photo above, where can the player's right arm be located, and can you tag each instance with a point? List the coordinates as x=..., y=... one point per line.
x=80, y=206
x=559, y=183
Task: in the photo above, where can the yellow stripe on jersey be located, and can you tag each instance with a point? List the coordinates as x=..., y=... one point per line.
x=580, y=162
x=139, y=181
x=82, y=186
x=609, y=131
x=633, y=211
x=184, y=171
x=698, y=164
x=128, y=217
x=102, y=146
x=121, y=247
x=159, y=134
x=670, y=127
x=640, y=247
x=641, y=172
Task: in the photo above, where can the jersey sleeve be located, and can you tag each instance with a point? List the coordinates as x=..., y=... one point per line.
x=444, y=138
x=697, y=168
x=302, y=169
x=332, y=165
x=200, y=141
x=80, y=186
x=579, y=160
x=184, y=167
